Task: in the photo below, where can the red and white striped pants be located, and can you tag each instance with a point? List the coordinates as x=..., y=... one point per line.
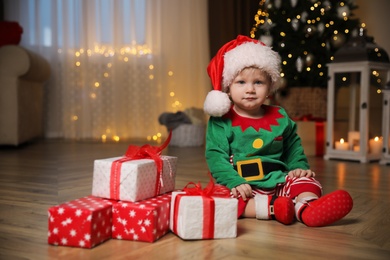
x=291, y=188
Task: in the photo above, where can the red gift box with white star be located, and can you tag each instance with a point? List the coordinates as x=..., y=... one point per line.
x=146, y=220
x=84, y=222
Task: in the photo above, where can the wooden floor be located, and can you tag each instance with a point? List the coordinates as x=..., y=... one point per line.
x=39, y=175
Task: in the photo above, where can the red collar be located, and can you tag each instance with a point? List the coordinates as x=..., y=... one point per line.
x=271, y=114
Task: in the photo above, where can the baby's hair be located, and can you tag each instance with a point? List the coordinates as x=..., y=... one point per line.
x=253, y=68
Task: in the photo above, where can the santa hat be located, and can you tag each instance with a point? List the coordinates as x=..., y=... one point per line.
x=233, y=57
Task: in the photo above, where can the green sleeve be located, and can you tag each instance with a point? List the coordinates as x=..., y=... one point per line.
x=218, y=153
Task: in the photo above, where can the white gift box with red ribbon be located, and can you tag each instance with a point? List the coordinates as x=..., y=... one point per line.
x=203, y=217
x=133, y=180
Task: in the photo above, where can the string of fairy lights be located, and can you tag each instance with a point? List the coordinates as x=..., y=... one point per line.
x=262, y=16
x=260, y=19
x=122, y=55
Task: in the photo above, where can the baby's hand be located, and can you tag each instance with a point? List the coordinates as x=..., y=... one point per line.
x=245, y=190
x=301, y=173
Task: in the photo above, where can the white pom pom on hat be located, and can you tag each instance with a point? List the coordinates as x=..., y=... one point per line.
x=231, y=58
x=217, y=103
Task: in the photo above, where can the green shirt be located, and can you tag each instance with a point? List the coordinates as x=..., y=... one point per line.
x=272, y=138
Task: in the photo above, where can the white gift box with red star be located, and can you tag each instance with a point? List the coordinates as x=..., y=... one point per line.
x=146, y=220
x=84, y=222
x=134, y=180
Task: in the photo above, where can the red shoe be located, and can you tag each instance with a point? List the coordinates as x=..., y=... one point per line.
x=272, y=207
x=327, y=209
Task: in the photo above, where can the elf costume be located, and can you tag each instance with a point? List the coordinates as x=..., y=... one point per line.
x=261, y=152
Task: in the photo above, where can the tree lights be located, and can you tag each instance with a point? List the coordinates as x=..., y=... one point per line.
x=306, y=33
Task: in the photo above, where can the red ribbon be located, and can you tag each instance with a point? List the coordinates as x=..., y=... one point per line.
x=134, y=152
x=207, y=193
x=320, y=138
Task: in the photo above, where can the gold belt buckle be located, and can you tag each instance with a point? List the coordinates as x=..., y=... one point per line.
x=243, y=164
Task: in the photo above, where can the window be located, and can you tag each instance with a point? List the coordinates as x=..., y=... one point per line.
x=67, y=22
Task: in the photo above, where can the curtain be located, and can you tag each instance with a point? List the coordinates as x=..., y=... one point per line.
x=116, y=65
x=228, y=18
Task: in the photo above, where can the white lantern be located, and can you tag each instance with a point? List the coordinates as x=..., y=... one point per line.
x=386, y=125
x=354, y=114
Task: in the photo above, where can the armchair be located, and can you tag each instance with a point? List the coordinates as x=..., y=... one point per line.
x=22, y=77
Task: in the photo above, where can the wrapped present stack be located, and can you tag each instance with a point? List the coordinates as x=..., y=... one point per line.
x=130, y=200
x=133, y=198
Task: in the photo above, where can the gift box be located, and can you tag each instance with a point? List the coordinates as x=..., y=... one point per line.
x=133, y=180
x=200, y=214
x=312, y=134
x=146, y=220
x=84, y=222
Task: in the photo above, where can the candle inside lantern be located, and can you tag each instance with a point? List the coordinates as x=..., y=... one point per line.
x=376, y=145
x=342, y=145
x=356, y=148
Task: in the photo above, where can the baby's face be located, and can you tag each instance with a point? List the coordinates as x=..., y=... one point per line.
x=249, y=90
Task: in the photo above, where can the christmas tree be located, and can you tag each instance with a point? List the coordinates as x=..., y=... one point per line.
x=306, y=34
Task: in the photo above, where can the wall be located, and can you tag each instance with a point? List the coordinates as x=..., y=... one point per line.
x=227, y=19
x=375, y=14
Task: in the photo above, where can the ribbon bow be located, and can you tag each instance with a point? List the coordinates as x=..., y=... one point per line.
x=211, y=190
x=148, y=151
x=134, y=152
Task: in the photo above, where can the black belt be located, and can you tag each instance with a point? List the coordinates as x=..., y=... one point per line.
x=256, y=169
